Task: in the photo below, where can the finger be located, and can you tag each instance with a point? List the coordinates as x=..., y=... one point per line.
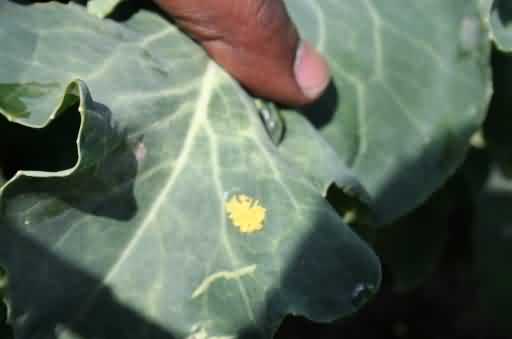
x=257, y=43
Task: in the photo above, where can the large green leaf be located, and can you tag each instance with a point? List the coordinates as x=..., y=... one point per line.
x=301, y=146
x=143, y=237
x=411, y=85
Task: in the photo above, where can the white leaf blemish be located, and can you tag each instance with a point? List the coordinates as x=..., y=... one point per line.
x=140, y=152
x=227, y=275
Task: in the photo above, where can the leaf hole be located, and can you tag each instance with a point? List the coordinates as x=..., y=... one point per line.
x=49, y=149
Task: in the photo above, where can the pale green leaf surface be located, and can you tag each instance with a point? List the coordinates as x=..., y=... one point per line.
x=323, y=167
x=102, y=8
x=134, y=241
x=302, y=146
x=411, y=85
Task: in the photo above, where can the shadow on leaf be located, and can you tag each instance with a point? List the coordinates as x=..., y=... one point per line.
x=504, y=10
x=322, y=111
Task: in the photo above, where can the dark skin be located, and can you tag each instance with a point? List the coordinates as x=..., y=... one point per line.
x=257, y=43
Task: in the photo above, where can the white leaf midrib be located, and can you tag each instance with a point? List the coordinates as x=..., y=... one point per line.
x=199, y=116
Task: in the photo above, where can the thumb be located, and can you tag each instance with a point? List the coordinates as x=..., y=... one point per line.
x=257, y=43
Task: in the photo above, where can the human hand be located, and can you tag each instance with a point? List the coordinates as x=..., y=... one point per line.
x=257, y=43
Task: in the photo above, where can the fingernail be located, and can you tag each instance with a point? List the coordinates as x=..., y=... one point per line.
x=311, y=71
